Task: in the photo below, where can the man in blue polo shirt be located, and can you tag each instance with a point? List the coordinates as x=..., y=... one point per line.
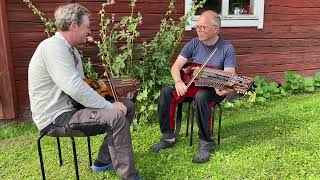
x=198, y=49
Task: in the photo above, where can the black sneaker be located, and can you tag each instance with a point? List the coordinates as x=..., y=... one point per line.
x=162, y=145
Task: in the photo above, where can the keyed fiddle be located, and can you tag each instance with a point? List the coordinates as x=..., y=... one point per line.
x=211, y=77
x=120, y=85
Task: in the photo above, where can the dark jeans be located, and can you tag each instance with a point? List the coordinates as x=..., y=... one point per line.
x=117, y=144
x=202, y=100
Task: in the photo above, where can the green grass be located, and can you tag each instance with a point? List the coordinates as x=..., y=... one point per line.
x=278, y=141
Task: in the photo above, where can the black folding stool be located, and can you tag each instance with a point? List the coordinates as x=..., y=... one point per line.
x=179, y=118
x=60, y=155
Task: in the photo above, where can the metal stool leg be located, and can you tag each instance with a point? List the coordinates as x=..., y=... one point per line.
x=192, y=120
x=212, y=123
x=89, y=150
x=59, y=151
x=188, y=117
x=75, y=157
x=220, y=121
x=40, y=156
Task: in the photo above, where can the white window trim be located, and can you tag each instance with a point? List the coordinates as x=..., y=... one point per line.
x=255, y=20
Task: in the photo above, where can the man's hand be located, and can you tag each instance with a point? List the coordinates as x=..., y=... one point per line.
x=181, y=88
x=119, y=106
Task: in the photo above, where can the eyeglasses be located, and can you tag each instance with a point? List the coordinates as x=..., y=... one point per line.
x=203, y=28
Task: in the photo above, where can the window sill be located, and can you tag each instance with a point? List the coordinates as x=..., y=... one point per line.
x=232, y=21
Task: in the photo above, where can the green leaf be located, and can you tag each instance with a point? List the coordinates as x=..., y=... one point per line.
x=283, y=92
x=317, y=77
x=252, y=97
x=237, y=103
x=308, y=81
x=309, y=89
x=261, y=99
x=142, y=108
x=294, y=86
x=267, y=95
x=247, y=105
x=259, y=90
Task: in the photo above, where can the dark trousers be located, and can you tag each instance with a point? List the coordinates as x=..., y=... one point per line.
x=202, y=100
x=116, y=147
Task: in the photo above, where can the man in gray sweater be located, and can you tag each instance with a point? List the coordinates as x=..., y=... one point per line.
x=56, y=75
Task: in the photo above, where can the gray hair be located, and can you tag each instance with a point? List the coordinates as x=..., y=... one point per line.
x=66, y=14
x=216, y=18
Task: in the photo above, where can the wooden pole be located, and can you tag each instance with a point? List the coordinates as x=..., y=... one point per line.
x=8, y=99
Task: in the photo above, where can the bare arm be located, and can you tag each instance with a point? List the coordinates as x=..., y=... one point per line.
x=176, y=67
x=181, y=88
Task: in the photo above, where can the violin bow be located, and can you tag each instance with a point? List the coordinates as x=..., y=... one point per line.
x=112, y=88
x=202, y=66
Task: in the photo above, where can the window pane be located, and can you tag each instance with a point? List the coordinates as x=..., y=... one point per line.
x=212, y=5
x=238, y=7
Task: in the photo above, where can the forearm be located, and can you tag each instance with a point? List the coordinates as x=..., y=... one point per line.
x=176, y=67
x=175, y=73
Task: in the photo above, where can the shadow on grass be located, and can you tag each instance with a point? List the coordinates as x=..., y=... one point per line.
x=260, y=130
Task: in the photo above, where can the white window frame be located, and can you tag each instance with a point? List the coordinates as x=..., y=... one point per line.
x=252, y=20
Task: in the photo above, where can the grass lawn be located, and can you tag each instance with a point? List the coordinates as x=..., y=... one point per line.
x=278, y=141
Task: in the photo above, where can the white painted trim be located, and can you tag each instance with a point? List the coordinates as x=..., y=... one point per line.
x=187, y=8
x=260, y=13
x=255, y=20
x=225, y=7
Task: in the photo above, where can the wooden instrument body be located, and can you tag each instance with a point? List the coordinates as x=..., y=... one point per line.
x=215, y=78
x=122, y=86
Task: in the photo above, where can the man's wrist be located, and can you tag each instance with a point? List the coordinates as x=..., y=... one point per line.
x=178, y=81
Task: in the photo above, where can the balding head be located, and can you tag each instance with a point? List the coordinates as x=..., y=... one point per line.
x=210, y=16
x=208, y=27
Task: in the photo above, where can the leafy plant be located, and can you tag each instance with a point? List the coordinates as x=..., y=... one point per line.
x=88, y=68
x=157, y=56
x=317, y=80
x=293, y=82
x=266, y=90
x=116, y=47
x=308, y=84
x=50, y=27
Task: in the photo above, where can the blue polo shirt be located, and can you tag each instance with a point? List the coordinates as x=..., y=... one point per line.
x=225, y=56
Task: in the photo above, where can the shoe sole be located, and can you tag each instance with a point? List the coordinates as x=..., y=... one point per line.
x=101, y=169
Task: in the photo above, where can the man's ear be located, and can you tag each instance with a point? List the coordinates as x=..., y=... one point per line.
x=73, y=26
x=218, y=30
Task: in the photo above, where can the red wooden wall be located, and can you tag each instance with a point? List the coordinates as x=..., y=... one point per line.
x=8, y=100
x=288, y=41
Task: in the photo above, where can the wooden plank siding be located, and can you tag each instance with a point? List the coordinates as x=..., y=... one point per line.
x=7, y=85
x=288, y=41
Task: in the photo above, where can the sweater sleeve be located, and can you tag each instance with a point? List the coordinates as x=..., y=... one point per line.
x=60, y=65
